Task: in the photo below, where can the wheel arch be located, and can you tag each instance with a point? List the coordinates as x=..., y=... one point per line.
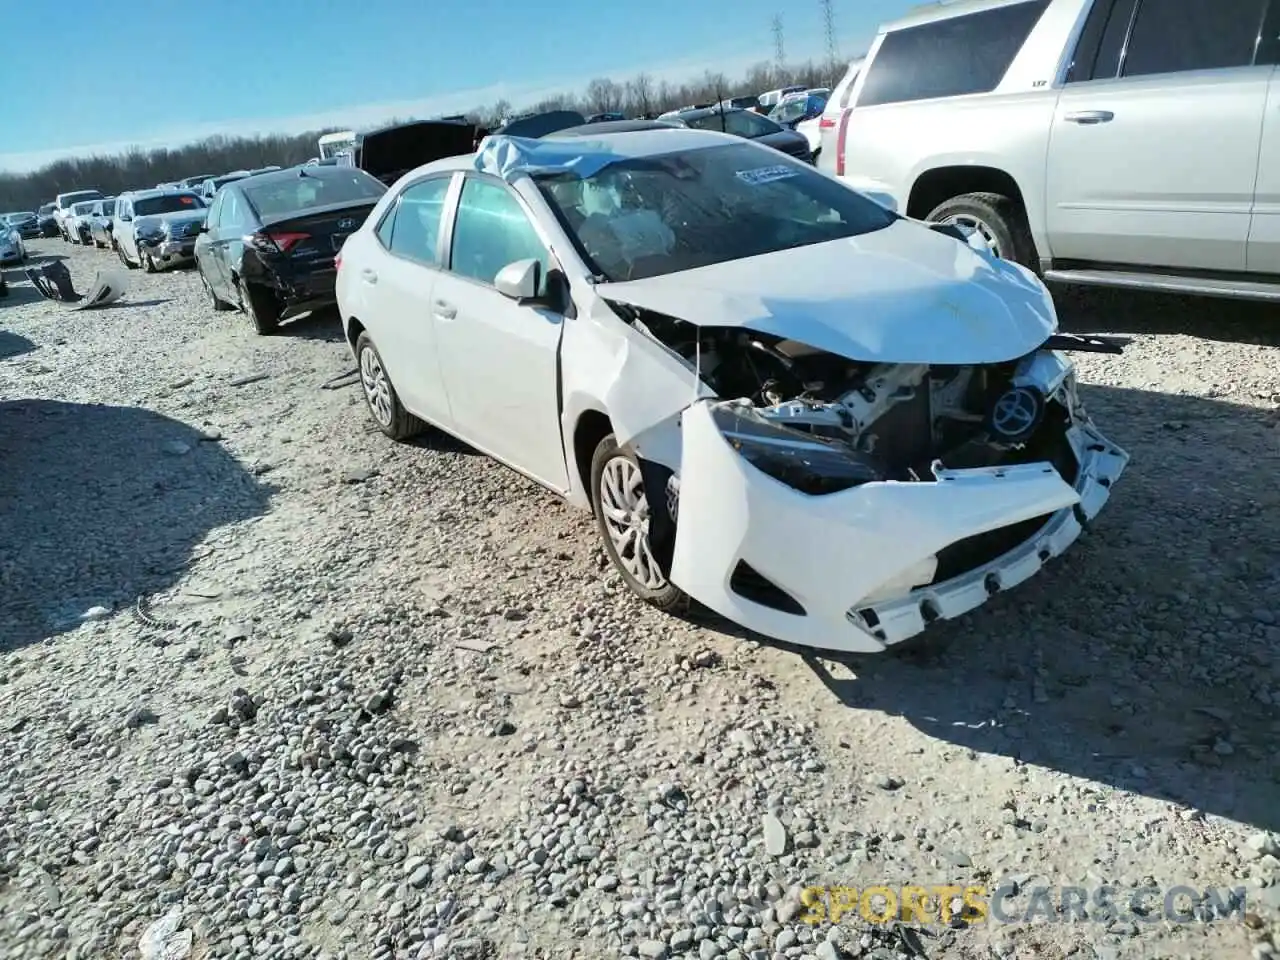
x=940, y=184
x=589, y=429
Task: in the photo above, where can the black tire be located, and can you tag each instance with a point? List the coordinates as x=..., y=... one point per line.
x=396, y=422
x=667, y=597
x=124, y=259
x=261, y=309
x=215, y=301
x=1002, y=216
x=147, y=262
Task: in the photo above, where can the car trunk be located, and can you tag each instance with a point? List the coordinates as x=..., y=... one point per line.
x=391, y=152
x=297, y=250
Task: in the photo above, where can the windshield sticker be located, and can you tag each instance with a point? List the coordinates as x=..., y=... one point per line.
x=766, y=174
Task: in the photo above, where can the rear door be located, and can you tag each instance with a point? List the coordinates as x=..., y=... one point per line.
x=226, y=244
x=207, y=260
x=1263, y=252
x=397, y=273
x=1153, y=153
x=499, y=358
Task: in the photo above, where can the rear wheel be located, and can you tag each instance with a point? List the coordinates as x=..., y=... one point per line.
x=261, y=308
x=380, y=395
x=621, y=506
x=998, y=220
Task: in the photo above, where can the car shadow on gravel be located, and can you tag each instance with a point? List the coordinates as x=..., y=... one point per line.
x=1102, y=310
x=1148, y=657
x=14, y=345
x=21, y=292
x=325, y=324
x=102, y=504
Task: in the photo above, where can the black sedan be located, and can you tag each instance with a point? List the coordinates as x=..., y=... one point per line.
x=748, y=124
x=269, y=241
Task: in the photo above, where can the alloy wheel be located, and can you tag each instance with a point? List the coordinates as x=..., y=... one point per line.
x=626, y=519
x=979, y=227
x=377, y=388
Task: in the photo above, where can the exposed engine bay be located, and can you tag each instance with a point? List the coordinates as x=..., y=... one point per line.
x=823, y=423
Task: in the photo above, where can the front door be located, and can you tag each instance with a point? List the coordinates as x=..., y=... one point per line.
x=500, y=359
x=1154, y=151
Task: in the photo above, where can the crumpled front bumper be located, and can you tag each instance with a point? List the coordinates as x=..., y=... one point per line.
x=169, y=252
x=834, y=555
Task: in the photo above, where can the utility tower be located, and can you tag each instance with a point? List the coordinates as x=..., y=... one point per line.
x=829, y=29
x=779, y=51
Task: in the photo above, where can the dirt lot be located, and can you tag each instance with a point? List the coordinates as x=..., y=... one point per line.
x=387, y=701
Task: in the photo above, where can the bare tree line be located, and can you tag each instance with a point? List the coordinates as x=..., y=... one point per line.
x=641, y=95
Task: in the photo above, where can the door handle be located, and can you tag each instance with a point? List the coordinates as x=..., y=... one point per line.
x=445, y=311
x=1090, y=116
x=368, y=276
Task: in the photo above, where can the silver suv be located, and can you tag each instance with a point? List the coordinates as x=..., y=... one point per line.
x=1131, y=143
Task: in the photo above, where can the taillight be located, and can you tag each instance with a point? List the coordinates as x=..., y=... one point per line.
x=276, y=241
x=826, y=123
x=840, y=138
x=337, y=261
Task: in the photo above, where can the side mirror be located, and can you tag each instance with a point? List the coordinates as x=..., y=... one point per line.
x=885, y=200
x=519, y=280
x=204, y=228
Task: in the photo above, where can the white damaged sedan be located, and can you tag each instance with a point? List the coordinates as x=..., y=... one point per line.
x=826, y=422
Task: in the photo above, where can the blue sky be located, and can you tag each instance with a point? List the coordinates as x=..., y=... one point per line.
x=157, y=72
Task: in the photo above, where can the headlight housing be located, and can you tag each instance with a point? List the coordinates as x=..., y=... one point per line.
x=802, y=461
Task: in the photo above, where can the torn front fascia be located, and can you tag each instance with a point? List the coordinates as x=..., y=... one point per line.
x=801, y=461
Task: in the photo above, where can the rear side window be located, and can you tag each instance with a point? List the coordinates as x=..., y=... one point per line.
x=949, y=58
x=281, y=196
x=415, y=222
x=1173, y=36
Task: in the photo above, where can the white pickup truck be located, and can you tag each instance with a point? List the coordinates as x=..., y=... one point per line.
x=1131, y=143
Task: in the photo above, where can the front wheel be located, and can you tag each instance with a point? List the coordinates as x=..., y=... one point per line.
x=124, y=259
x=148, y=262
x=621, y=506
x=997, y=219
x=380, y=395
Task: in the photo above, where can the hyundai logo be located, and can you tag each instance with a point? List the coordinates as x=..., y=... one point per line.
x=346, y=224
x=1016, y=413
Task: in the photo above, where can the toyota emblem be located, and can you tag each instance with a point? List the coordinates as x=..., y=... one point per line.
x=346, y=224
x=1016, y=413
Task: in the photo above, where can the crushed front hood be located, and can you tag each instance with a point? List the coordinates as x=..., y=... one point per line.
x=904, y=294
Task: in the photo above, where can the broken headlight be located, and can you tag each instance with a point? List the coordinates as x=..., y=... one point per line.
x=801, y=460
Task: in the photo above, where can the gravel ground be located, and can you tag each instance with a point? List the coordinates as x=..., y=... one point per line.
x=387, y=701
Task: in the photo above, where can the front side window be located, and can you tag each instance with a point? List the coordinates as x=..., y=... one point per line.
x=413, y=227
x=959, y=55
x=490, y=231
x=1172, y=36
x=215, y=212
x=651, y=216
